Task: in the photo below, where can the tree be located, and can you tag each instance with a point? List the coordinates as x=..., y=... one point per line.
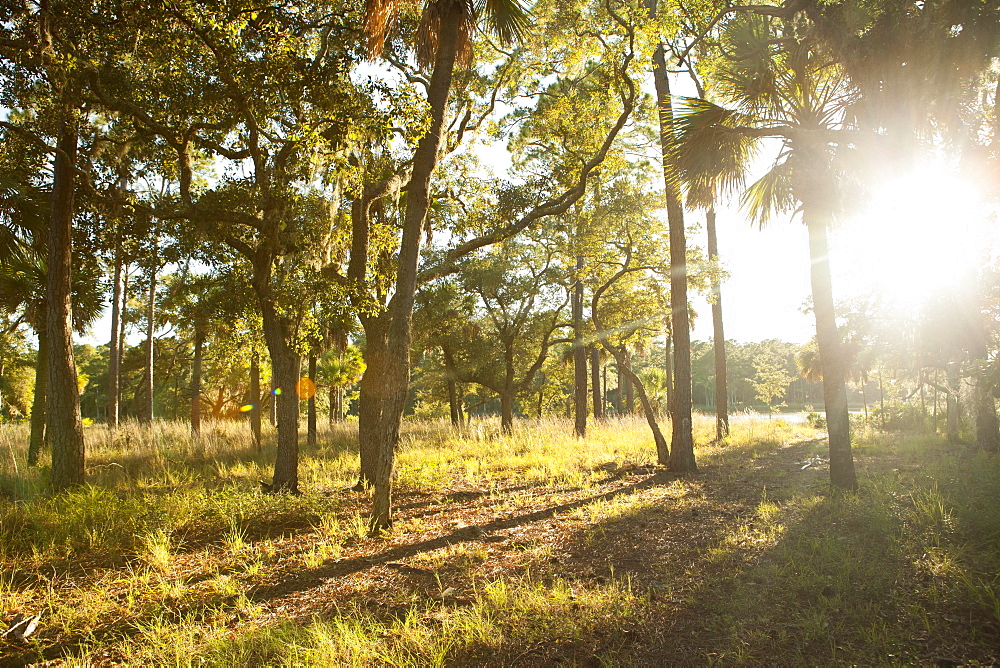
x=442, y=41
x=783, y=88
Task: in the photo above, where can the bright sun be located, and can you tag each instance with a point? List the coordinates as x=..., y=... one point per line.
x=921, y=233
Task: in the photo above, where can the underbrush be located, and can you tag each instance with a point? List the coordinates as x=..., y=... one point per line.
x=171, y=555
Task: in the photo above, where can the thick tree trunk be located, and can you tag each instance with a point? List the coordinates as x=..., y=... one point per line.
x=37, y=439
x=668, y=366
x=256, y=401
x=371, y=399
x=682, y=437
x=115, y=351
x=401, y=305
x=507, y=412
x=719, y=336
x=595, y=382
x=579, y=356
x=830, y=354
x=311, y=428
x=63, y=424
x=199, y=342
x=284, y=375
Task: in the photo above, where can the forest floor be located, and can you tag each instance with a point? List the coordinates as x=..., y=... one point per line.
x=753, y=560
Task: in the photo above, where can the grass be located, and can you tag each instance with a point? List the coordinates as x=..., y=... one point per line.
x=532, y=548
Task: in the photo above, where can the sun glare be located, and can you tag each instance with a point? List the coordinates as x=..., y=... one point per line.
x=922, y=233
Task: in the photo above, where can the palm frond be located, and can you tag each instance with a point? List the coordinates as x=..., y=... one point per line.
x=708, y=151
x=380, y=17
x=771, y=194
x=507, y=20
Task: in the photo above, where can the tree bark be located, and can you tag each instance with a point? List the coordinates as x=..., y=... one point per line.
x=952, y=408
x=147, y=414
x=199, y=342
x=63, y=424
x=595, y=382
x=401, y=304
x=114, y=347
x=579, y=356
x=627, y=376
x=256, y=400
x=284, y=375
x=311, y=430
x=719, y=336
x=371, y=399
x=454, y=402
x=507, y=412
x=830, y=353
x=682, y=437
x=37, y=439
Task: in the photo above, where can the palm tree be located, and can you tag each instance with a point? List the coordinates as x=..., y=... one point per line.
x=780, y=87
x=442, y=43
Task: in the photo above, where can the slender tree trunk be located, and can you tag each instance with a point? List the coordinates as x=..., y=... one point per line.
x=37, y=438
x=579, y=356
x=199, y=342
x=115, y=351
x=401, y=304
x=256, y=400
x=682, y=437
x=454, y=403
x=953, y=410
x=63, y=424
x=662, y=451
x=595, y=382
x=311, y=431
x=147, y=415
x=830, y=354
x=619, y=391
x=719, y=337
x=629, y=385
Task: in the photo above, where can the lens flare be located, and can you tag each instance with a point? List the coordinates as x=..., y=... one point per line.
x=246, y=408
x=305, y=388
x=276, y=391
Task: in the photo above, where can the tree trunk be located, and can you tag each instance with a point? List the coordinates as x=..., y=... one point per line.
x=454, y=403
x=629, y=385
x=668, y=366
x=199, y=342
x=147, y=413
x=371, y=400
x=682, y=437
x=952, y=408
x=311, y=429
x=719, y=337
x=662, y=451
x=507, y=412
x=579, y=356
x=284, y=376
x=830, y=354
x=595, y=382
x=115, y=351
x=401, y=304
x=63, y=424
x=37, y=438
x=255, y=400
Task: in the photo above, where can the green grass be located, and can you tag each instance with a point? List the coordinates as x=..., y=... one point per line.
x=167, y=556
